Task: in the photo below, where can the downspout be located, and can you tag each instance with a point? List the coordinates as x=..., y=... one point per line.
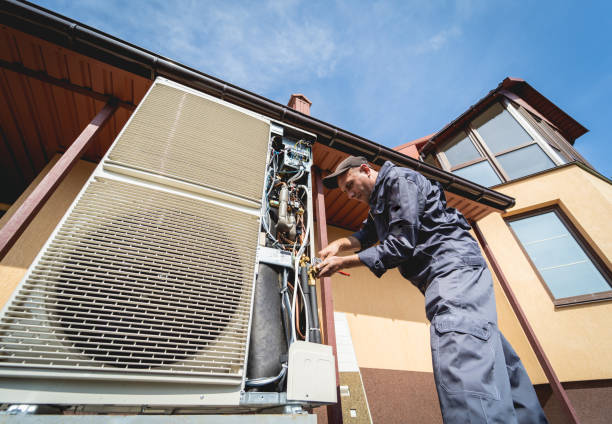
x=555, y=384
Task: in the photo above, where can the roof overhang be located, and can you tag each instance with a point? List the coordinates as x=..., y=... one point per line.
x=517, y=91
x=128, y=70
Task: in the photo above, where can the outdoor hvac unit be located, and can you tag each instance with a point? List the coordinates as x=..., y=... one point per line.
x=143, y=295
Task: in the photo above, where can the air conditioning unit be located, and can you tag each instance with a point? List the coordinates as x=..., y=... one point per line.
x=180, y=278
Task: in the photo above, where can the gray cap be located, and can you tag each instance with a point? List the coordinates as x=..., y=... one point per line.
x=331, y=181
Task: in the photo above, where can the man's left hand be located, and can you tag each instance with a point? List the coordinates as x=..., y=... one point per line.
x=330, y=266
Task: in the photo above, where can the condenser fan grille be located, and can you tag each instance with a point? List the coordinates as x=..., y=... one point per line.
x=137, y=280
x=171, y=130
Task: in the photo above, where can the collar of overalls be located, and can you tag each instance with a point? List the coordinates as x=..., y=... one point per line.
x=384, y=170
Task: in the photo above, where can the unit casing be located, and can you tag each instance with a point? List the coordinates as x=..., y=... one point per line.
x=143, y=293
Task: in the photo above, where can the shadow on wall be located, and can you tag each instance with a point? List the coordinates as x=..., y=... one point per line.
x=390, y=296
x=16, y=262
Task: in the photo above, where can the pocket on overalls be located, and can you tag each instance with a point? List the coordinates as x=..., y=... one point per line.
x=464, y=354
x=473, y=261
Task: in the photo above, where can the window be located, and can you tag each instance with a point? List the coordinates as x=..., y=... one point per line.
x=570, y=270
x=498, y=146
x=465, y=159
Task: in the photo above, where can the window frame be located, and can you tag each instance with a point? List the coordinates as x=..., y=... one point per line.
x=544, y=145
x=486, y=154
x=582, y=242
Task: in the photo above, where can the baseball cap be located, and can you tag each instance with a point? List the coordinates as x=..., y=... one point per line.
x=331, y=181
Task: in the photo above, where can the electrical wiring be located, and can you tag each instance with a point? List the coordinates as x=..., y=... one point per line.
x=305, y=302
x=291, y=293
x=297, y=320
x=264, y=381
x=295, y=284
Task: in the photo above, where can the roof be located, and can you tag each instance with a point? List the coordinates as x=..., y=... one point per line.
x=514, y=89
x=57, y=73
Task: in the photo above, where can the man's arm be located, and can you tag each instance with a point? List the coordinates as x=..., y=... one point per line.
x=405, y=203
x=341, y=245
x=332, y=263
x=362, y=239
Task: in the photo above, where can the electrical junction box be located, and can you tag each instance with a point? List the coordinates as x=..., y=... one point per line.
x=312, y=373
x=272, y=256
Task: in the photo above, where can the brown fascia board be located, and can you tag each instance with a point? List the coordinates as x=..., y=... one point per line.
x=568, y=126
x=90, y=42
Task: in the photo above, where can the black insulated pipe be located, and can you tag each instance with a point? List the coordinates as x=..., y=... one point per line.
x=310, y=295
x=93, y=43
x=267, y=344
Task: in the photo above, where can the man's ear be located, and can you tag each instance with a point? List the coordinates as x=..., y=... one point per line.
x=365, y=168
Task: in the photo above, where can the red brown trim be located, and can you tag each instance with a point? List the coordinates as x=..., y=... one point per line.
x=519, y=100
x=555, y=384
x=334, y=412
x=43, y=77
x=18, y=222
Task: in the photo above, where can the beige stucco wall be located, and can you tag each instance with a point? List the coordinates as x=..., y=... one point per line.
x=576, y=339
x=386, y=316
x=388, y=326
x=16, y=262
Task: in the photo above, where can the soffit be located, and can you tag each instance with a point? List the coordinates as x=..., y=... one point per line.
x=349, y=214
x=39, y=117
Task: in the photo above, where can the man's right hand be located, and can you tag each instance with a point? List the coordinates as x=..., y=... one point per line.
x=332, y=249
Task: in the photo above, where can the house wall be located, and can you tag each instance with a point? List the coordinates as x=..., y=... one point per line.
x=390, y=335
x=16, y=262
x=388, y=324
x=577, y=339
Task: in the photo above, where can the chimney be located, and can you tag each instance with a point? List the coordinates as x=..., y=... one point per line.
x=300, y=103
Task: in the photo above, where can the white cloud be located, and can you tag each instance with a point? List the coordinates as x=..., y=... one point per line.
x=438, y=40
x=248, y=46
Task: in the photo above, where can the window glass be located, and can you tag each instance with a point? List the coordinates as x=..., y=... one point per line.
x=564, y=265
x=481, y=173
x=499, y=130
x=525, y=161
x=460, y=150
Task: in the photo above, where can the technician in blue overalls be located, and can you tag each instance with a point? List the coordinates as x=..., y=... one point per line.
x=479, y=377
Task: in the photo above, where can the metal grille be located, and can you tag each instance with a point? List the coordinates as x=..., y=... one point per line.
x=137, y=279
x=181, y=135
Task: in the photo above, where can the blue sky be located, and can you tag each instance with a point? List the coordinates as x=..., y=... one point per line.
x=388, y=71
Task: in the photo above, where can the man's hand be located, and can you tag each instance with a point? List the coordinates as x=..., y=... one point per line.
x=340, y=245
x=333, y=264
x=332, y=249
x=329, y=266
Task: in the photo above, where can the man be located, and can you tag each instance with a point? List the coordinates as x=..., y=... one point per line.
x=479, y=377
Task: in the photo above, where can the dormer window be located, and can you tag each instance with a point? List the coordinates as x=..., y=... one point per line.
x=496, y=147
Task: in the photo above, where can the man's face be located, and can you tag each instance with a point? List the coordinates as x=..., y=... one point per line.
x=357, y=183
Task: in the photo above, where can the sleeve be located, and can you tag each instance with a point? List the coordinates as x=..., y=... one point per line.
x=403, y=205
x=367, y=235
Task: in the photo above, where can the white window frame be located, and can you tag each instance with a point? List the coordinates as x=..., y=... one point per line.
x=482, y=147
x=533, y=133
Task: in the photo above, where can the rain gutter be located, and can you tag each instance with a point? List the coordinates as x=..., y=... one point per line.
x=90, y=42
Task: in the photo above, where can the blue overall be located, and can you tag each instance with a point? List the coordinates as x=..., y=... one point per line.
x=479, y=377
